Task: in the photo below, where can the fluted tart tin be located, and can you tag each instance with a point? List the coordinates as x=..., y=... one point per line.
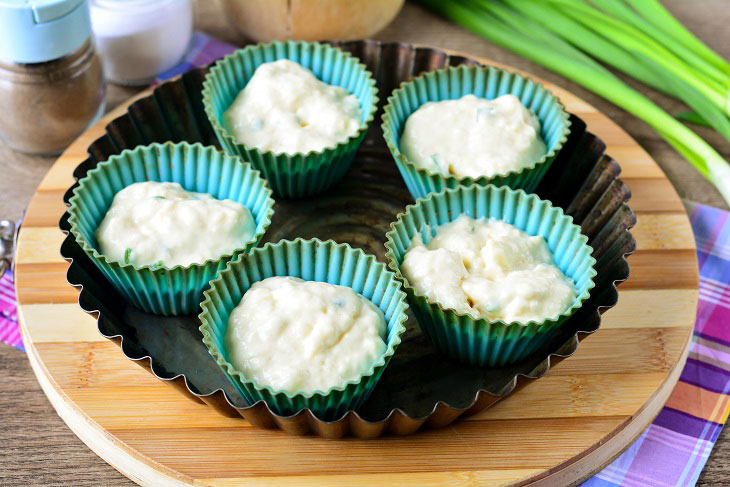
x=156, y=289
x=421, y=388
x=452, y=83
x=479, y=341
x=311, y=260
x=301, y=174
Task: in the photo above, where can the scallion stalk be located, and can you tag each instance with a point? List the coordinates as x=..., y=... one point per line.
x=654, y=12
x=622, y=11
x=634, y=40
x=637, y=64
x=598, y=46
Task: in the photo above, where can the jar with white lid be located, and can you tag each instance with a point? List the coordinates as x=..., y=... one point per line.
x=139, y=39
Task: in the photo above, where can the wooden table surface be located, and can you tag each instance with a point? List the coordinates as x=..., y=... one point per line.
x=38, y=448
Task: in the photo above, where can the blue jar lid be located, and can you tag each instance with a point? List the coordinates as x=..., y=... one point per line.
x=35, y=31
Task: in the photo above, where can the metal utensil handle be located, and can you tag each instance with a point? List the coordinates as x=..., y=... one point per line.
x=7, y=245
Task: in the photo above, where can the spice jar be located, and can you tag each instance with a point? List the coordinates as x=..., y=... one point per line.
x=51, y=83
x=139, y=39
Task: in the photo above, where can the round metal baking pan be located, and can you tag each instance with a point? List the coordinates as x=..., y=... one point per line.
x=420, y=387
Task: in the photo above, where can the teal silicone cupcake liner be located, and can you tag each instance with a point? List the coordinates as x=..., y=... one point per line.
x=312, y=260
x=452, y=83
x=301, y=174
x=480, y=341
x=161, y=290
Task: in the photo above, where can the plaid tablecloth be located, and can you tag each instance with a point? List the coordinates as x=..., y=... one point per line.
x=675, y=448
x=9, y=331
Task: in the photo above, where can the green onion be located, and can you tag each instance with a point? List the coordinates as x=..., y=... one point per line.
x=645, y=65
x=598, y=46
x=560, y=35
x=127, y=255
x=654, y=13
x=638, y=64
x=634, y=40
x=686, y=53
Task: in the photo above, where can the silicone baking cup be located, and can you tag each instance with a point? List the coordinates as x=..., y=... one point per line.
x=301, y=174
x=452, y=83
x=484, y=342
x=311, y=260
x=161, y=290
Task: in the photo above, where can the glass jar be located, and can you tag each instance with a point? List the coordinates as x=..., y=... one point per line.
x=51, y=82
x=139, y=39
x=47, y=105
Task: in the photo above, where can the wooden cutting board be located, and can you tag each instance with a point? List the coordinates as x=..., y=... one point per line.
x=557, y=431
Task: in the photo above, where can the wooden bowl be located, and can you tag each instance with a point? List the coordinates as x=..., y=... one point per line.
x=310, y=20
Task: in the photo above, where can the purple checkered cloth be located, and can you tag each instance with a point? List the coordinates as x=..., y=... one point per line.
x=675, y=448
x=203, y=51
x=9, y=331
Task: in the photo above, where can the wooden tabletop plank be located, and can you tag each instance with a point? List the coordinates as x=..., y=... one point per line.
x=256, y=452
x=494, y=478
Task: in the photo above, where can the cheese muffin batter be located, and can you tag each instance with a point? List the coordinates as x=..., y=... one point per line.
x=303, y=336
x=473, y=137
x=488, y=269
x=161, y=224
x=284, y=108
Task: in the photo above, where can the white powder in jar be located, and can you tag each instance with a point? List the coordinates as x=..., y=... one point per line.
x=139, y=39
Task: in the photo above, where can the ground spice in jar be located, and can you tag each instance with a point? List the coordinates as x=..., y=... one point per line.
x=46, y=105
x=51, y=82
